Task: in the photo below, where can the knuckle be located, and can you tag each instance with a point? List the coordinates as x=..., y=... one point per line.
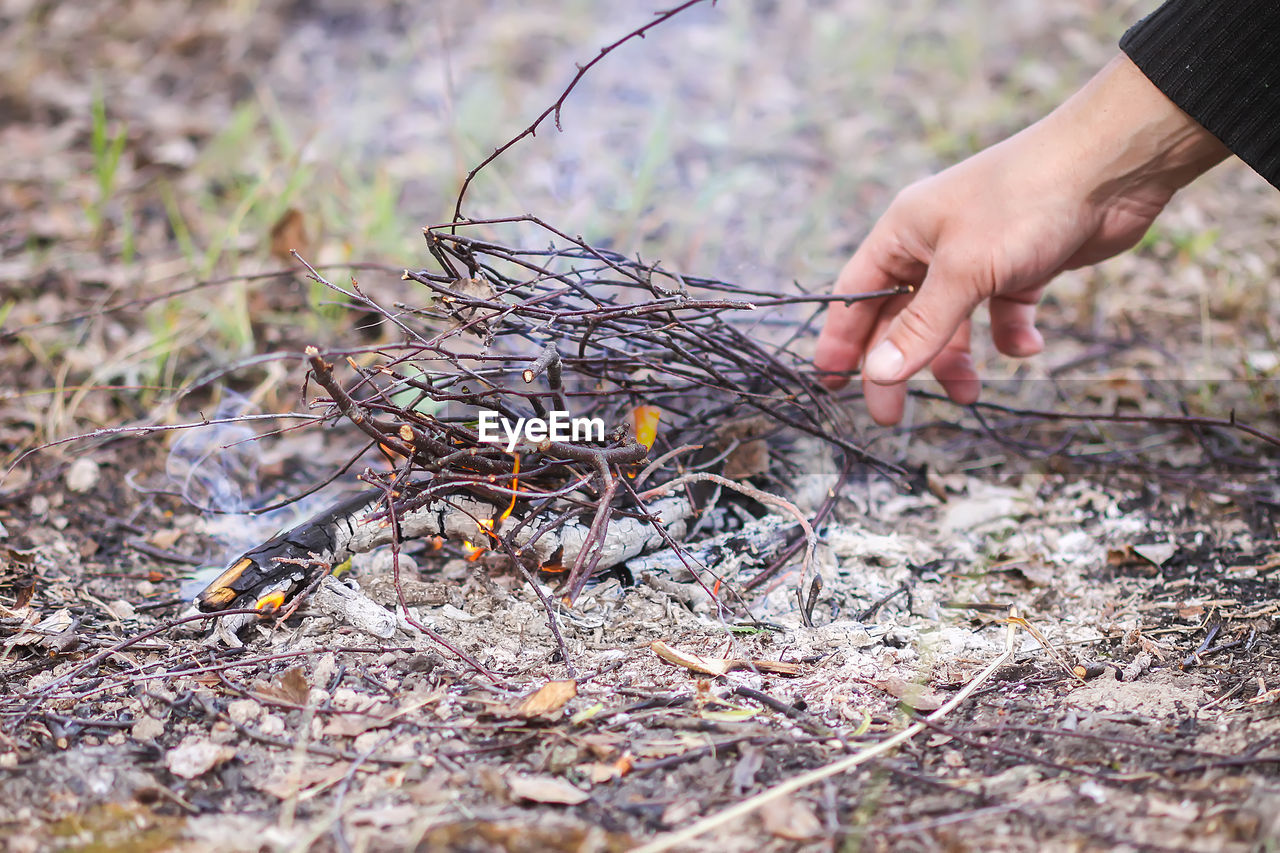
x=911, y=194
x=920, y=327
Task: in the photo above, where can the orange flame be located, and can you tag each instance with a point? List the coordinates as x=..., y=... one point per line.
x=270, y=602
x=473, y=551
x=515, y=485
x=646, y=420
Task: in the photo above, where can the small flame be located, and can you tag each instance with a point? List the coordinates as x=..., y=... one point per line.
x=515, y=486
x=474, y=552
x=487, y=525
x=270, y=602
x=646, y=423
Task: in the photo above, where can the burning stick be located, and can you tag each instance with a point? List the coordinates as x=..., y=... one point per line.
x=274, y=570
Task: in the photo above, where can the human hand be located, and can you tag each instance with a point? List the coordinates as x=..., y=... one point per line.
x=1079, y=186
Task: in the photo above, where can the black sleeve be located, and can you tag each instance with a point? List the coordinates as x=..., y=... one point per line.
x=1219, y=60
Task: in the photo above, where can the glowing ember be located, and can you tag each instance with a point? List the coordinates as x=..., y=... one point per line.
x=269, y=602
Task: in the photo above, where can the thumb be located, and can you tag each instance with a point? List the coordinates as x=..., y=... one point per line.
x=921, y=330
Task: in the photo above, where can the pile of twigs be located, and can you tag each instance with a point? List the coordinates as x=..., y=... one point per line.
x=591, y=334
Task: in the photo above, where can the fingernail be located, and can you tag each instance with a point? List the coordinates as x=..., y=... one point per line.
x=883, y=363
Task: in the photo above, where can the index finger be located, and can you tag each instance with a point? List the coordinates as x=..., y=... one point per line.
x=878, y=264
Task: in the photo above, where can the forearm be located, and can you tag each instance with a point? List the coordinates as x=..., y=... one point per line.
x=1122, y=134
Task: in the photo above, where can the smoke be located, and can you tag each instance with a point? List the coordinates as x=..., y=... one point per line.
x=215, y=468
x=218, y=470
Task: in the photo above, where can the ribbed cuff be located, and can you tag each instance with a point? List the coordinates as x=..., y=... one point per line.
x=1219, y=61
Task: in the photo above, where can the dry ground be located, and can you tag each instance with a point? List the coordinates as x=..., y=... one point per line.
x=152, y=146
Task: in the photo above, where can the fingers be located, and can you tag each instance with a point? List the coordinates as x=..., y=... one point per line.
x=878, y=264
x=924, y=327
x=1013, y=324
x=953, y=368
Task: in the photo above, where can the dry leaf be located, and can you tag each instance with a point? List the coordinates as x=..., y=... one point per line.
x=545, y=789
x=586, y=714
x=750, y=761
x=82, y=475
x=1157, y=553
x=352, y=725
x=306, y=783
x=290, y=686
x=790, y=818
x=56, y=623
x=548, y=699
x=289, y=234
x=913, y=695
x=748, y=460
x=165, y=538
x=599, y=771
x=748, y=449
x=196, y=756
x=607, y=771
x=146, y=728
x=719, y=666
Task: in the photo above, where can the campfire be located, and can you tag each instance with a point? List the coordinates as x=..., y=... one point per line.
x=569, y=409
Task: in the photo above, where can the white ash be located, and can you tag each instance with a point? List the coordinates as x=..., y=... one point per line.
x=347, y=602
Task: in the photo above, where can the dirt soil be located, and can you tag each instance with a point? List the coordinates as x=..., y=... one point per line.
x=164, y=157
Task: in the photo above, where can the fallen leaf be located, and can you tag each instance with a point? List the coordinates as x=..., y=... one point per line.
x=82, y=475
x=289, y=234
x=719, y=666
x=545, y=789
x=290, y=686
x=548, y=699
x=748, y=460
x=790, y=818
x=910, y=694
x=1157, y=553
x=730, y=715
x=52, y=625
x=146, y=728
x=599, y=771
x=165, y=538
x=352, y=725
x=195, y=757
x=750, y=761
x=121, y=609
x=586, y=714
x=304, y=784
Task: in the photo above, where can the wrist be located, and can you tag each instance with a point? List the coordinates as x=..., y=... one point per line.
x=1133, y=138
